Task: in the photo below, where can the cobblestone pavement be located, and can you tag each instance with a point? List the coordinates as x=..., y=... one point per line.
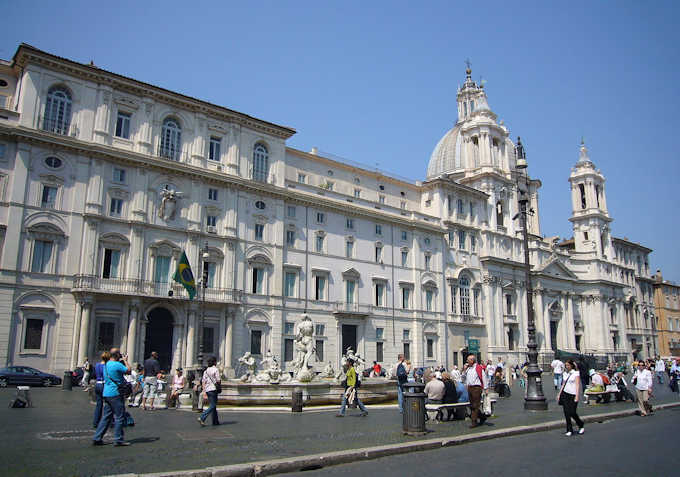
x=54, y=437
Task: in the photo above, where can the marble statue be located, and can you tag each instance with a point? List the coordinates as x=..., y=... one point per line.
x=304, y=347
x=271, y=371
x=168, y=203
x=249, y=362
x=349, y=354
x=328, y=371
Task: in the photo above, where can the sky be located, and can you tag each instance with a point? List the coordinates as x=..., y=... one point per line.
x=375, y=82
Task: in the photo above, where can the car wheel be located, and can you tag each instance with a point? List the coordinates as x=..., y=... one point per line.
x=3, y=382
x=47, y=383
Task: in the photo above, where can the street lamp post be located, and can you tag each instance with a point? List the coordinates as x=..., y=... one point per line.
x=205, y=254
x=534, y=400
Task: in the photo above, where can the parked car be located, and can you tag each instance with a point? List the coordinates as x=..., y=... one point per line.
x=23, y=375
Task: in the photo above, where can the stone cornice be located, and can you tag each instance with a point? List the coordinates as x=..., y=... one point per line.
x=27, y=54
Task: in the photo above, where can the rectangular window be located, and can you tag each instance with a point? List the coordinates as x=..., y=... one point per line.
x=461, y=239
x=405, y=298
x=453, y=298
x=259, y=231
x=42, y=252
x=402, y=204
x=349, y=223
x=320, y=217
x=162, y=269
x=378, y=253
x=319, y=244
x=427, y=261
x=116, y=208
x=460, y=207
x=256, y=342
x=476, y=301
x=320, y=330
x=452, y=237
x=378, y=229
x=357, y=193
x=212, y=194
x=320, y=288
x=406, y=334
x=379, y=354
x=258, y=280
x=111, y=261
x=290, y=210
x=349, y=288
x=407, y=351
x=209, y=269
x=472, y=210
x=302, y=178
x=123, y=125
x=211, y=220
x=118, y=175
x=33, y=337
x=290, y=237
x=508, y=304
x=49, y=197
x=473, y=243
x=215, y=149
x=379, y=294
x=379, y=333
x=430, y=348
x=349, y=249
x=429, y=296
x=208, y=339
x=319, y=351
x=106, y=335
x=404, y=258
x=288, y=328
x=404, y=235
x=381, y=199
x=289, y=290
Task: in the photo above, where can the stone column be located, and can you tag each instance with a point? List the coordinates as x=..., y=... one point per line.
x=539, y=319
x=76, y=334
x=488, y=289
x=177, y=344
x=229, y=339
x=83, y=344
x=190, y=356
x=142, y=338
x=132, y=333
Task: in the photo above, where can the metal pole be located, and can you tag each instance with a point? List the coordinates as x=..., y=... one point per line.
x=204, y=279
x=534, y=400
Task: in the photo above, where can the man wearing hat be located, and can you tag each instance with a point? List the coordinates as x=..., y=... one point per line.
x=178, y=383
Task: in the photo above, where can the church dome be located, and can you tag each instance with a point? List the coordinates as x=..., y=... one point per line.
x=446, y=157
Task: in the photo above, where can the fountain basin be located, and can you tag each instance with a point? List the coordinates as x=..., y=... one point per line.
x=236, y=393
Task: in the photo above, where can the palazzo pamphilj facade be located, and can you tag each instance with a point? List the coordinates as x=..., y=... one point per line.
x=105, y=180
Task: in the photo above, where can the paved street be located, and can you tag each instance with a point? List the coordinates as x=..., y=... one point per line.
x=618, y=448
x=54, y=437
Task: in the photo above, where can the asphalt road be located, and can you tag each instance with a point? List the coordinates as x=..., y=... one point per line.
x=632, y=446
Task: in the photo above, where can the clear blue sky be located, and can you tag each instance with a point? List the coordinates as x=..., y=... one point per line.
x=375, y=82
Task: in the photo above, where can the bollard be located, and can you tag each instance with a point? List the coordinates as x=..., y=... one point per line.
x=296, y=405
x=414, y=409
x=67, y=383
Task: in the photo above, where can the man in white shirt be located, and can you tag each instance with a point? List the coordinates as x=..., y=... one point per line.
x=660, y=368
x=476, y=382
x=490, y=370
x=558, y=370
x=643, y=386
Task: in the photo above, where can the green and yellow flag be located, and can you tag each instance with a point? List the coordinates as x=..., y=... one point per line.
x=184, y=275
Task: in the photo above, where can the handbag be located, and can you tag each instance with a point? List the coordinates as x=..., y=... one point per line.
x=218, y=386
x=561, y=401
x=124, y=388
x=486, y=407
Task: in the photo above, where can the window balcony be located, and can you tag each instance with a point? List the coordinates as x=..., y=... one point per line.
x=172, y=153
x=351, y=309
x=466, y=319
x=134, y=287
x=510, y=318
x=58, y=126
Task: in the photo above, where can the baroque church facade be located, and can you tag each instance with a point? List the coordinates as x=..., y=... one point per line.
x=106, y=180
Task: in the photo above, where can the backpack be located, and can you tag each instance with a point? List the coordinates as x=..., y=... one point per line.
x=605, y=379
x=402, y=376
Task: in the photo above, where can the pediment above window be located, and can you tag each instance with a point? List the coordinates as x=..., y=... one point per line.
x=351, y=273
x=51, y=179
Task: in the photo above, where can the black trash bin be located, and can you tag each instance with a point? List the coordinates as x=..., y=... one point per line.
x=296, y=405
x=67, y=382
x=414, y=409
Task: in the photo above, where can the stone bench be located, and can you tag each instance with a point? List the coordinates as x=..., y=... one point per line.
x=434, y=411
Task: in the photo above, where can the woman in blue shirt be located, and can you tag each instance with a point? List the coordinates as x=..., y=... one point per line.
x=99, y=387
x=114, y=405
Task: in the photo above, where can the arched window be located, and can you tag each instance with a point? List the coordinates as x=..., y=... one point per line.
x=464, y=295
x=57, y=118
x=171, y=140
x=260, y=163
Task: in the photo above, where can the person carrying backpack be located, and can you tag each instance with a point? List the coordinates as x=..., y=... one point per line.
x=402, y=378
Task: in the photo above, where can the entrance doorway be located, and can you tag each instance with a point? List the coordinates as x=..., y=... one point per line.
x=159, y=337
x=349, y=338
x=553, y=335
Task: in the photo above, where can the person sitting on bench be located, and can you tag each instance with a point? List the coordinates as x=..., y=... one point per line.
x=450, y=393
x=598, y=383
x=435, y=389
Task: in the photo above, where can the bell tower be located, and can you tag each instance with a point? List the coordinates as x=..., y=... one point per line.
x=590, y=217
